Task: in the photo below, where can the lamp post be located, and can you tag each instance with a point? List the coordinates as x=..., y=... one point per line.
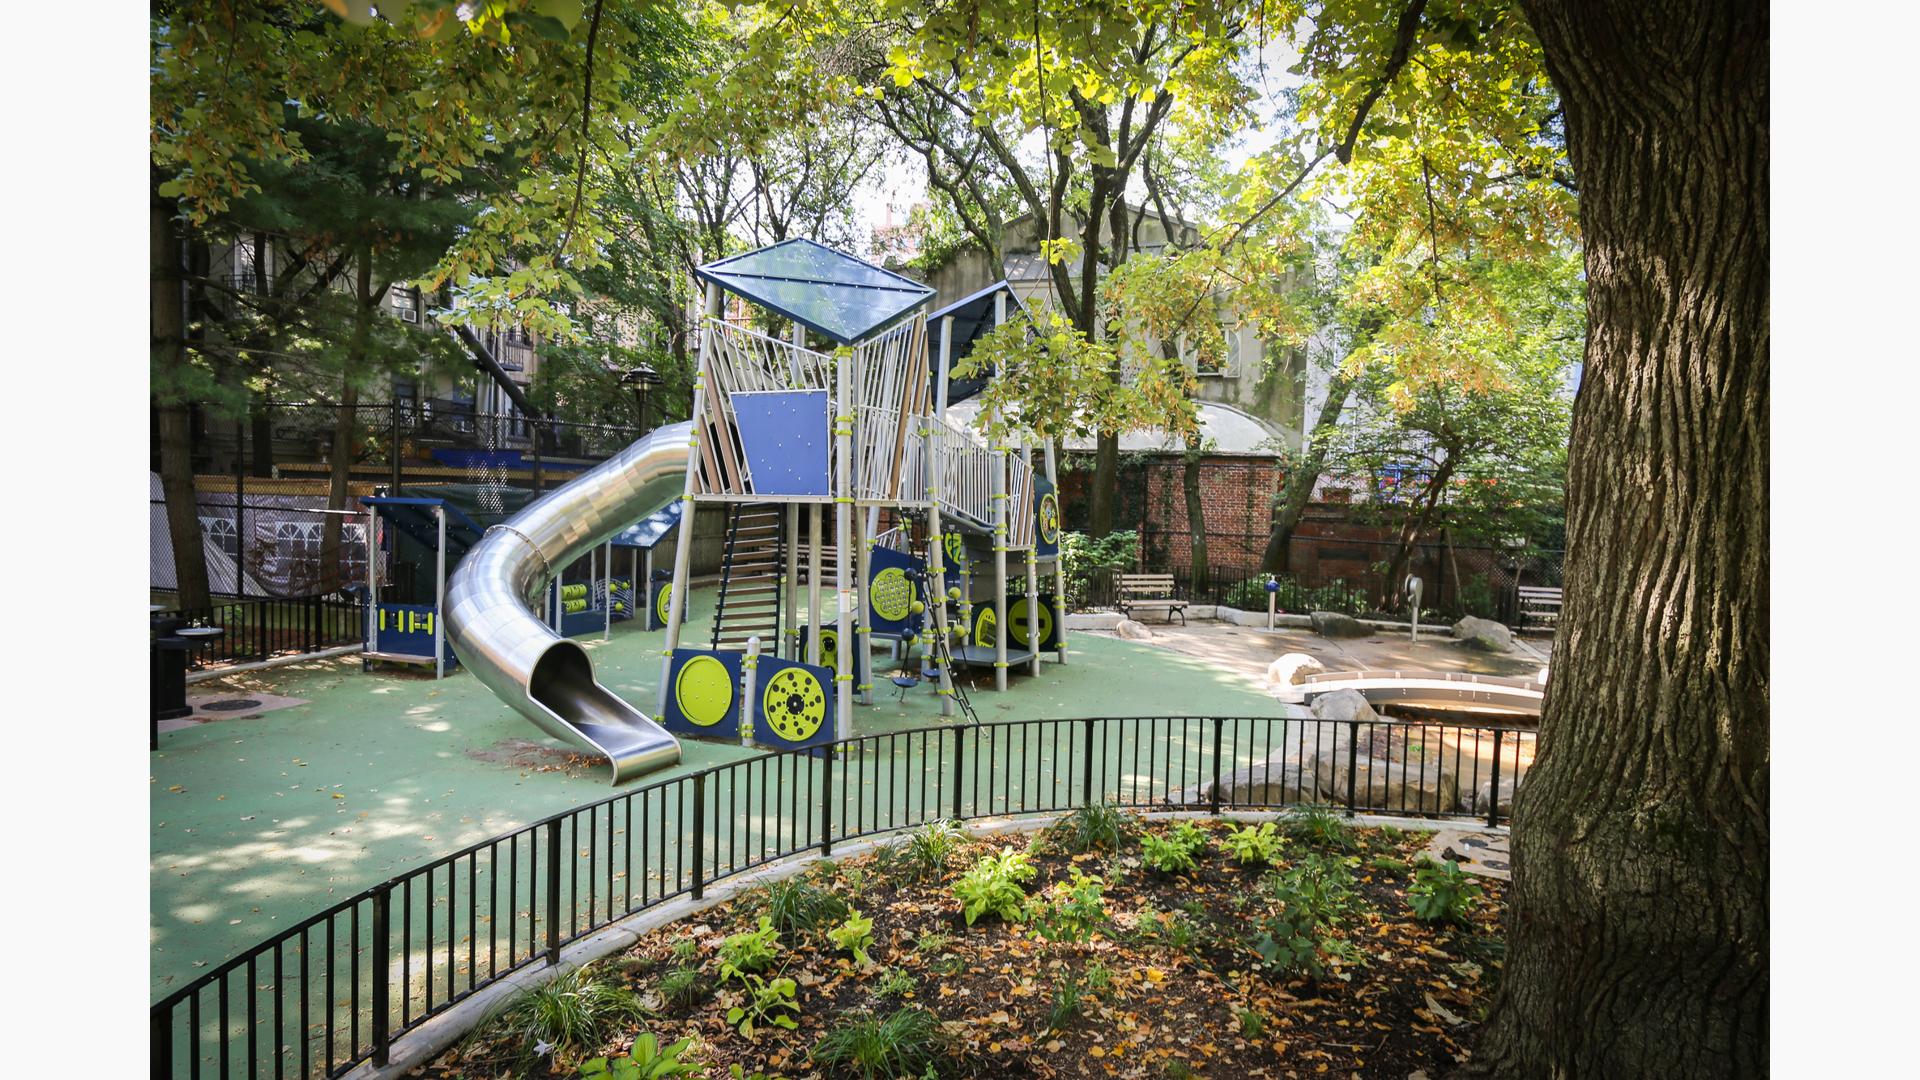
x=641, y=379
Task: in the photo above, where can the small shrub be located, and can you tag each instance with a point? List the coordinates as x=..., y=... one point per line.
x=896, y=983
x=992, y=886
x=685, y=950
x=1096, y=827
x=1171, y=930
x=854, y=936
x=928, y=849
x=749, y=951
x=680, y=987
x=1190, y=835
x=1252, y=1025
x=1065, y=1004
x=904, y=1043
x=646, y=1061
x=1320, y=827
x=1251, y=846
x=1166, y=855
x=796, y=906
x=932, y=943
x=768, y=1001
x=575, y=1009
x=1099, y=979
x=1442, y=893
x=1387, y=864
x=1072, y=910
x=1308, y=900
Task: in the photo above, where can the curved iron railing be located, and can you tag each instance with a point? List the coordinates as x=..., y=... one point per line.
x=337, y=989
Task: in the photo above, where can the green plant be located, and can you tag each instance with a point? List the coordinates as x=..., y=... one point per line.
x=1308, y=900
x=796, y=906
x=1251, y=846
x=680, y=986
x=1175, y=1069
x=767, y=1001
x=1094, y=827
x=1190, y=834
x=1071, y=910
x=928, y=849
x=1387, y=864
x=1319, y=826
x=646, y=1061
x=904, y=1043
x=934, y=942
x=1442, y=892
x=992, y=886
x=1065, y=1004
x=1252, y=1024
x=1165, y=855
x=685, y=950
x=574, y=1009
x=1089, y=561
x=749, y=951
x=854, y=935
x=1172, y=930
x=1099, y=979
x=896, y=983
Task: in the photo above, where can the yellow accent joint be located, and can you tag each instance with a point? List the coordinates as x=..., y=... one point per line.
x=843, y=678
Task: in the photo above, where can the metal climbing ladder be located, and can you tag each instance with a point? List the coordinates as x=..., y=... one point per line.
x=749, y=602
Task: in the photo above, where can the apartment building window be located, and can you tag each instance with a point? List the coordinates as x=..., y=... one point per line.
x=406, y=304
x=1220, y=362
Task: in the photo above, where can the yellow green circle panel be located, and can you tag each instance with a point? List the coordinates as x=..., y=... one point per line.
x=704, y=691
x=892, y=594
x=1049, y=518
x=983, y=624
x=1017, y=621
x=664, y=604
x=795, y=704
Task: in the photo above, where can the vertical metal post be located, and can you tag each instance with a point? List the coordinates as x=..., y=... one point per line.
x=1059, y=564
x=937, y=555
x=998, y=455
x=553, y=891
x=813, y=584
x=959, y=772
x=1086, y=764
x=393, y=466
x=1493, y=800
x=1218, y=723
x=699, y=835
x=160, y=1044
x=826, y=802
x=842, y=539
x=864, y=526
x=373, y=580
x=749, y=666
x=381, y=969
x=1033, y=575
x=1353, y=761
x=683, y=544
x=439, y=592
x=240, y=509
x=607, y=598
x=946, y=368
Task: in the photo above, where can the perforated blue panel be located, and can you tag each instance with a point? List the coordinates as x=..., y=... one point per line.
x=785, y=436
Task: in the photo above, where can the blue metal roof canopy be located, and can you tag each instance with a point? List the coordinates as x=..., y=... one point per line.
x=827, y=291
x=650, y=530
x=972, y=318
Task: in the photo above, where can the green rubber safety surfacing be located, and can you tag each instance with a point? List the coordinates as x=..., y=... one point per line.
x=795, y=704
x=704, y=691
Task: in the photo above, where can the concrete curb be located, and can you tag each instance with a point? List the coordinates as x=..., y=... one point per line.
x=278, y=661
x=428, y=1041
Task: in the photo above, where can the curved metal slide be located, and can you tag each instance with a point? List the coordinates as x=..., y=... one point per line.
x=490, y=604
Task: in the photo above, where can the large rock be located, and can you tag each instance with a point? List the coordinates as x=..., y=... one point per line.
x=1264, y=784
x=1344, y=705
x=1483, y=634
x=1332, y=624
x=1389, y=786
x=1479, y=802
x=1286, y=675
x=1132, y=631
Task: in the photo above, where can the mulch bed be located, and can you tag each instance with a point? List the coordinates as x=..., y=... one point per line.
x=1409, y=1003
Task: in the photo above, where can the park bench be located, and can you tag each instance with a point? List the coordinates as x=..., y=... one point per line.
x=1539, y=603
x=1150, y=591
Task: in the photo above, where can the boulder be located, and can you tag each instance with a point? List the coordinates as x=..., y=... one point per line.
x=1483, y=634
x=1344, y=705
x=1392, y=787
x=1479, y=802
x=1332, y=624
x=1286, y=675
x=1132, y=631
x=1264, y=784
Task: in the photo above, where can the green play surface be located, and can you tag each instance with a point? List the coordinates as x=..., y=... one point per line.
x=258, y=822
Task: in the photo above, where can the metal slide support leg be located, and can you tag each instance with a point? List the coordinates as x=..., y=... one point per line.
x=842, y=537
x=683, y=544
x=1000, y=568
x=813, y=583
x=440, y=592
x=789, y=644
x=1059, y=564
x=863, y=614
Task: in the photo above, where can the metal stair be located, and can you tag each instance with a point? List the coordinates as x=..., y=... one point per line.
x=749, y=603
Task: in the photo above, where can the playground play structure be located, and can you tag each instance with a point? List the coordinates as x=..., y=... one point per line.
x=927, y=519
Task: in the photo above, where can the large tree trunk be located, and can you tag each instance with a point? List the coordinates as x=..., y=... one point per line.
x=340, y=470
x=1638, y=924
x=175, y=416
x=1196, y=514
x=1411, y=530
x=1305, y=476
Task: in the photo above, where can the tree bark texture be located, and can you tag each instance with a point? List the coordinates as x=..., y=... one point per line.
x=175, y=417
x=1196, y=514
x=1297, y=491
x=340, y=471
x=1637, y=936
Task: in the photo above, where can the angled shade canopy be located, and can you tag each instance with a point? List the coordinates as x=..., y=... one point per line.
x=649, y=530
x=827, y=291
x=972, y=319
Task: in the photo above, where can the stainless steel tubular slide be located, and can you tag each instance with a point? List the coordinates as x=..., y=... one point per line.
x=490, y=604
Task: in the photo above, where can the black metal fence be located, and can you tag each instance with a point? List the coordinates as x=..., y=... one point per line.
x=265, y=628
x=338, y=988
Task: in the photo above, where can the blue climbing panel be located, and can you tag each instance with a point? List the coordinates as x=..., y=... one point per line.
x=796, y=705
x=785, y=436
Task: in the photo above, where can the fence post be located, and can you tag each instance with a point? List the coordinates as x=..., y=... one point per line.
x=313, y=623
x=1086, y=780
x=826, y=801
x=699, y=835
x=160, y=1043
x=1353, y=760
x=382, y=965
x=959, y=774
x=1218, y=723
x=553, y=891
x=1493, y=801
